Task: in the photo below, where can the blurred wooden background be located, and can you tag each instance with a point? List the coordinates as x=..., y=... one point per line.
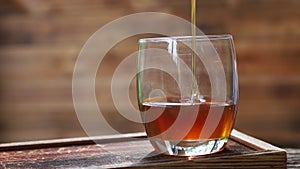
x=40, y=41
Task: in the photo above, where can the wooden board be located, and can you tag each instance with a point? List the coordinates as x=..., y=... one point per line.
x=135, y=151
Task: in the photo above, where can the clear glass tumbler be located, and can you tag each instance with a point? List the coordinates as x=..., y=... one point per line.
x=187, y=92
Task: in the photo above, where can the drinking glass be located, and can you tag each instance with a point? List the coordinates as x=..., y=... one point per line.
x=187, y=92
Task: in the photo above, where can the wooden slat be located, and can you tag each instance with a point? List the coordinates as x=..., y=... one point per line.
x=70, y=141
x=252, y=142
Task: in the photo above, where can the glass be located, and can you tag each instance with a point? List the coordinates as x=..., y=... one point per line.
x=187, y=92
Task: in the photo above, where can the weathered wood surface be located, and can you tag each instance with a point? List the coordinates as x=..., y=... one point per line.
x=40, y=41
x=125, y=152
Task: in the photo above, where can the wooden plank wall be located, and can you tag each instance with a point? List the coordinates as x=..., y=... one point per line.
x=40, y=41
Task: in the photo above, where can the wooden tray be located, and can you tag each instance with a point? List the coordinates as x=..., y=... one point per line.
x=135, y=151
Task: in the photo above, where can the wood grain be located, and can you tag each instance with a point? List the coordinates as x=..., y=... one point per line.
x=119, y=151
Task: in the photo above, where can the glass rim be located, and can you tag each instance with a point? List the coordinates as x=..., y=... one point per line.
x=187, y=38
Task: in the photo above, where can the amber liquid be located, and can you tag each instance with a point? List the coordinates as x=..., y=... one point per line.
x=192, y=114
x=195, y=93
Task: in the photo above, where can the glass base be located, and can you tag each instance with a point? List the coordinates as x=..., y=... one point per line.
x=188, y=147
